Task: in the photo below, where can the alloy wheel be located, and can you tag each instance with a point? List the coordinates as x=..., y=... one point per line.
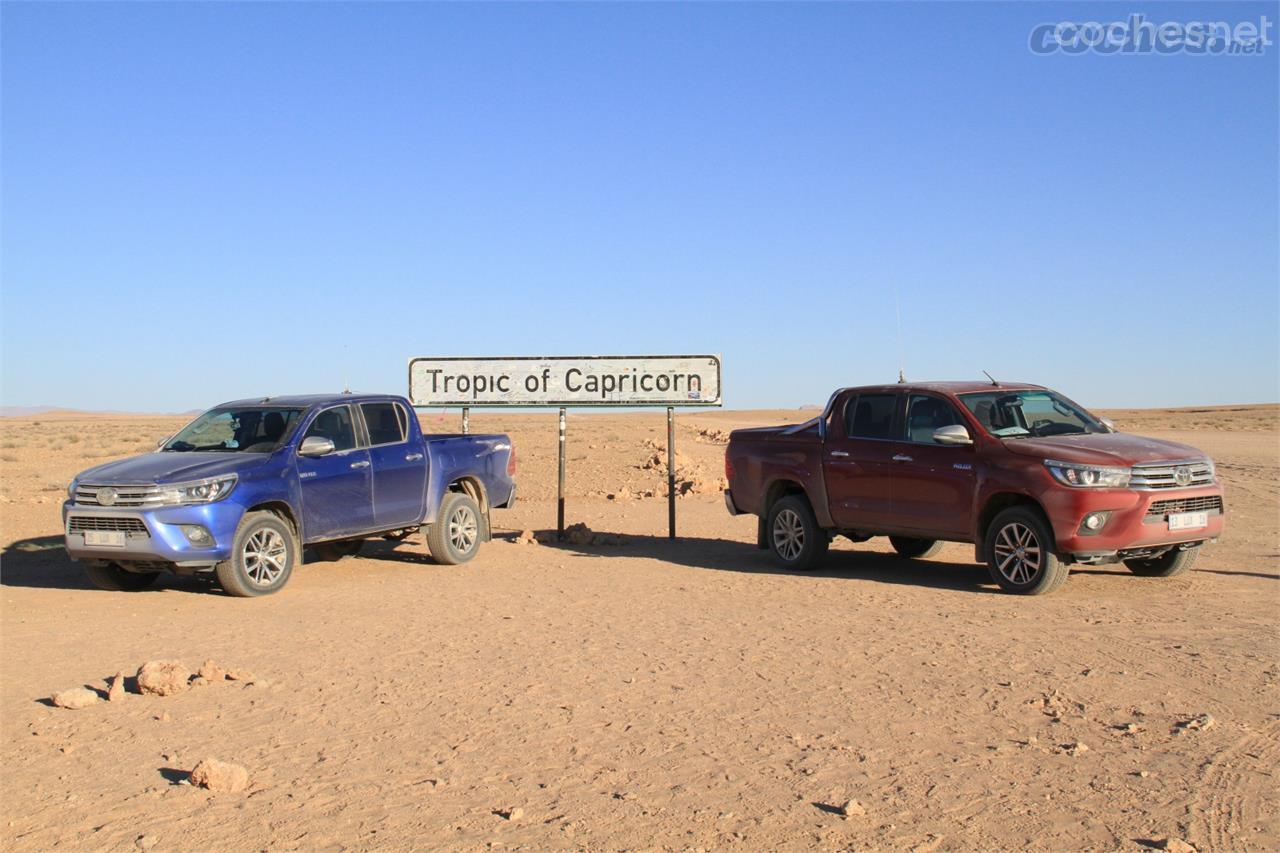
x=265, y=554
x=463, y=529
x=788, y=534
x=1018, y=556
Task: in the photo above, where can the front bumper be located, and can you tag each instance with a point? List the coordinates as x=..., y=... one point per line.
x=155, y=535
x=1138, y=522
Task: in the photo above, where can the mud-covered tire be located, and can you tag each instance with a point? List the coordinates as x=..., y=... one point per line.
x=331, y=552
x=455, y=536
x=1019, y=549
x=115, y=579
x=794, y=537
x=263, y=555
x=915, y=549
x=1168, y=565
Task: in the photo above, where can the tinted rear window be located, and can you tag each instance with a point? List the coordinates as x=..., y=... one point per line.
x=870, y=416
x=386, y=425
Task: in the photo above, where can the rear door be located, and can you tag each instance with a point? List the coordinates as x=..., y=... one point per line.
x=398, y=463
x=337, y=490
x=933, y=483
x=857, y=460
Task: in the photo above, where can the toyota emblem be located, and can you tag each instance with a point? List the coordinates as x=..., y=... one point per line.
x=106, y=497
x=1182, y=475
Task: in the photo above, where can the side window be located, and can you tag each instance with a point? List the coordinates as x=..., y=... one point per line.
x=384, y=423
x=335, y=425
x=870, y=416
x=925, y=414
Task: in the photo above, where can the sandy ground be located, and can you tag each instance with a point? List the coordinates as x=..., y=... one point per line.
x=653, y=695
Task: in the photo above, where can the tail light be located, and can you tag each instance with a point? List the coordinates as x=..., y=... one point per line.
x=728, y=466
x=511, y=462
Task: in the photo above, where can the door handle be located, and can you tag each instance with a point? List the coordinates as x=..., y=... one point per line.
x=413, y=457
x=359, y=464
x=839, y=454
x=902, y=458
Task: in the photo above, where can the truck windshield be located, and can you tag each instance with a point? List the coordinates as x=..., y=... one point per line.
x=1018, y=414
x=236, y=431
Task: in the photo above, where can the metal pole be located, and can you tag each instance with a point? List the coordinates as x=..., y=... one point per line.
x=671, y=473
x=466, y=420
x=560, y=487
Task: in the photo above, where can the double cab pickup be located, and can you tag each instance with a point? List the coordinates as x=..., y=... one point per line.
x=244, y=487
x=1033, y=480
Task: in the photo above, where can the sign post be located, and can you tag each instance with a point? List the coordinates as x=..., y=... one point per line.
x=561, y=382
x=671, y=473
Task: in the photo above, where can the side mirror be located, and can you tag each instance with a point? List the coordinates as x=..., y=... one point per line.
x=162, y=442
x=954, y=435
x=315, y=446
x=1109, y=424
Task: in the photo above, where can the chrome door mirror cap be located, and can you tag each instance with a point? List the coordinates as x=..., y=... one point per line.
x=1109, y=424
x=315, y=445
x=953, y=435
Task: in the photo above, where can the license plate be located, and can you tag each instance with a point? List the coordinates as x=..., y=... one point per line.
x=104, y=538
x=1188, y=520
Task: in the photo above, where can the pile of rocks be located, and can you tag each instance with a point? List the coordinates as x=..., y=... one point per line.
x=154, y=678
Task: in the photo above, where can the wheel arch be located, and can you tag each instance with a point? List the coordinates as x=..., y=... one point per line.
x=996, y=504
x=474, y=488
x=284, y=511
x=777, y=489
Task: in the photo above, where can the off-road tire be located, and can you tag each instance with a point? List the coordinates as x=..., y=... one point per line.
x=263, y=554
x=115, y=579
x=915, y=549
x=1015, y=539
x=795, y=539
x=1168, y=565
x=455, y=536
x=331, y=552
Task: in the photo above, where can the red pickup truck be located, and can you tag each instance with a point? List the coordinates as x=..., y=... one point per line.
x=1033, y=480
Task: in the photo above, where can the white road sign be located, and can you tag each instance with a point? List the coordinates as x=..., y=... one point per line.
x=604, y=380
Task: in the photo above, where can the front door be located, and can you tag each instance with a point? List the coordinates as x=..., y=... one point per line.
x=399, y=467
x=337, y=489
x=857, y=462
x=933, y=483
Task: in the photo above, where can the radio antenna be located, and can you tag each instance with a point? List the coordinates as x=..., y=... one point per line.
x=897, y=310
x=992, y=378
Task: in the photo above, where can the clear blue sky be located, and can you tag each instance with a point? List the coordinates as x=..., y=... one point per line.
x=210, y=201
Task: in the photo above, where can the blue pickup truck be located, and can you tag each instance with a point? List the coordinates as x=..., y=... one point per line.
x=241, y=489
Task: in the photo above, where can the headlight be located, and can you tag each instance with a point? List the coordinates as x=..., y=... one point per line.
x=1087, y=476
x=199, y=492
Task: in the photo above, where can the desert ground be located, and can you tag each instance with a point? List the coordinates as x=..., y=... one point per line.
x=649, y=694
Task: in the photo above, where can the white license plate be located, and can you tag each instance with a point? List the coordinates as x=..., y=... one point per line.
x=104, y=538
x=1188, y=520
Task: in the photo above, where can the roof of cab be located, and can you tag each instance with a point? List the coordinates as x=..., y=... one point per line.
x=304, y=401
x=949, y=387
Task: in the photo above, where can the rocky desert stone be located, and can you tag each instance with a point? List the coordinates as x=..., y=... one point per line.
x=220, y=776
x=163, y=677
x=75, y=698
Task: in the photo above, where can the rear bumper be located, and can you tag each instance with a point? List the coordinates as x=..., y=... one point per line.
x=1137, y=524
x=157, y=535
x=729, y=504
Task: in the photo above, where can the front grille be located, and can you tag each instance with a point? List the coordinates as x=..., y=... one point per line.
x=1160, y=510
x=81, y=523
x=1165, y=475
x=134, y=496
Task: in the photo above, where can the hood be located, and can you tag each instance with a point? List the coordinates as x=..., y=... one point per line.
x=171, y=467
x=1115, y=448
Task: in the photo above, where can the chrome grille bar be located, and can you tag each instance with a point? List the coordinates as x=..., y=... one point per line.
x=126, y=496
x=1164, y=475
